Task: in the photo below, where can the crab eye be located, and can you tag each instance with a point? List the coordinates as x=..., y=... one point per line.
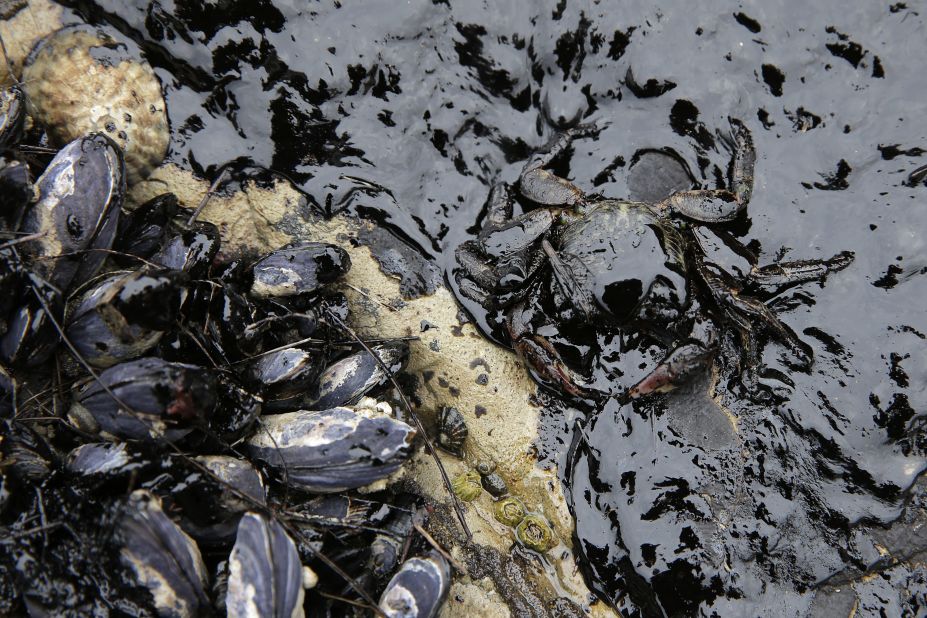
x=621, y=298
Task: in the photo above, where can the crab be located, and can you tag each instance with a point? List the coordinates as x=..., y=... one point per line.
x=578, y=262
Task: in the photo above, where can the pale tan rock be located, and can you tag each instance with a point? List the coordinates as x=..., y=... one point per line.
x=22, y=23
x=501, y=414
x=82, y=80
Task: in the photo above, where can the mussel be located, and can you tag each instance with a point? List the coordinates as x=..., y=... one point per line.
x=418, y=589
x=298, y=269
x=77, y=209
x=284, y=376
x=346, y=381
x=32, y=331
x=143, y=231
x=164, y=559
x=265, y=575
x=331, y=450
x=191, y=251
x=145, y=398
x=125, y=315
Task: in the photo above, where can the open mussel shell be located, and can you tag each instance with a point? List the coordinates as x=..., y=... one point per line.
x=191, y=251
x=331, y=450
x=164, y=559
x=298, y=269
x=124, y=316
x=346, y=381
x=265, y=575
x=32, y=335
x=15, y=188
x=284, y=375
x=418, y=589
x=77, y=209
x=142, y=231
x=145, y=398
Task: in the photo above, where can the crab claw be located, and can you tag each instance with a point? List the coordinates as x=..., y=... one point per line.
x=547, y=364
x=673, y=370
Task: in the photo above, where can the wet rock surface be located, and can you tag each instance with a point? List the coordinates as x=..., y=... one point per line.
x=700, y=500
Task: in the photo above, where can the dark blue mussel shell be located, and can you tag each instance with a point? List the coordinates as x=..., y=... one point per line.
x=331, y=450
x=298, y=269
x=265, y=574
x=418, y=589
x=79, y=199
x=165, y=400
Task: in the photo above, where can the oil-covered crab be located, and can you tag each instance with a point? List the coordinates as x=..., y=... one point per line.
x=584, y=265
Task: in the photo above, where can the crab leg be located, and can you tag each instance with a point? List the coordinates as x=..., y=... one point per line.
x=540, y=355
x=790, y=273
x=499, y=211
x=566, y=280
x=719, y=205
x=672, y=370
x=544, y=187
x=743, y=310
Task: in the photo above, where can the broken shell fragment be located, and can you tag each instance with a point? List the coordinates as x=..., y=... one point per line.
x=418, y=589
x=301, y=268
x=265, y=576
x=165, y=560
x=331, y=450
x=163, y=400
x=82, y=79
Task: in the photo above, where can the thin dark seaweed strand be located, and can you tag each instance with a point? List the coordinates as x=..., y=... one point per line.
x=209, y=193
x=9, y=63
x=335, y=597
x=335, y=522
x=431, y=541
x=418, y=423
x=201, y=467
x=22, y=239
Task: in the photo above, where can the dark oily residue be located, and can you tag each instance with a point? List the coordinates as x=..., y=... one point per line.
x=412, y=110
x=417, y=275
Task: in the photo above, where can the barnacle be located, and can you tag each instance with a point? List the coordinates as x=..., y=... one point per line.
x=509, y=511
x=535, y=533
x=467, y=486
